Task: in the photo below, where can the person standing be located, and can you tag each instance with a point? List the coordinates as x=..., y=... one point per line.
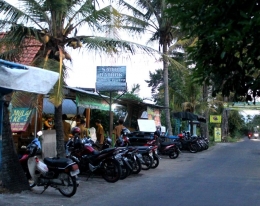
x=100, y=132
x=66, y=130
x=83, y=130
x=118, y=128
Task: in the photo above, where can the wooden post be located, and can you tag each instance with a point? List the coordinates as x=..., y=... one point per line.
x=87, y=117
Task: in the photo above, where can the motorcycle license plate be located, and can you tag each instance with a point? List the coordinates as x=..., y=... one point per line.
x=74, y=173
x=156, y=152
x=134, y=157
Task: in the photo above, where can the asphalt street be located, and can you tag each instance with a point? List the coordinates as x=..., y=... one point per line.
x=227, y=174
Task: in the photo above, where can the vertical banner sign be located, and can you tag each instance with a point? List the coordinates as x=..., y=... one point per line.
x=217, y=134
x=111, y=78
x=20, y=118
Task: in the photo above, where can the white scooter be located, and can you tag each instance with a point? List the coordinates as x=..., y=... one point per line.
x=59, y=173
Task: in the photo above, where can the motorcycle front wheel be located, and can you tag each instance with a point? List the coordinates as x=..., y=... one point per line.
x=125, y=171
x=111, y=170
x=148, y=161
x=69, y=184
x=155, y=161
x=137, y=167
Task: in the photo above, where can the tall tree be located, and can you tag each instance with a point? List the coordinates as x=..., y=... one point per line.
x=162, y=30
x=226, y=53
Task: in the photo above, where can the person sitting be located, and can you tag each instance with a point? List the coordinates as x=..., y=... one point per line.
x=48, y=123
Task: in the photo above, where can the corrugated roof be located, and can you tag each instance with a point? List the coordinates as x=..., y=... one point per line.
x=30, y=48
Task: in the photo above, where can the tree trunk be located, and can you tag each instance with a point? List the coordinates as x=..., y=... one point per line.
x=59, y=131
x=12, y=174
x=205, y=127
x=166, y=90
x=224, y=125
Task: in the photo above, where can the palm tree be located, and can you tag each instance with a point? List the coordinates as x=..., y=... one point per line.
x=55, y=23
x=154, y=20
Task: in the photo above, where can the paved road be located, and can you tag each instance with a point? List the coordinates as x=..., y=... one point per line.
x=227, y=174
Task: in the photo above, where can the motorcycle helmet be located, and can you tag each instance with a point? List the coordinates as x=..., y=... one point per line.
x=75, y=130
x=119, y=142
x=124, y=132
x=77, y=142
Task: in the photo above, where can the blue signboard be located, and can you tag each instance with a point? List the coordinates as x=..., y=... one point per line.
x=111, y=78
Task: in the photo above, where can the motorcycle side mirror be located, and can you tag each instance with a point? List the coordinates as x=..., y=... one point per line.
x=39, y=133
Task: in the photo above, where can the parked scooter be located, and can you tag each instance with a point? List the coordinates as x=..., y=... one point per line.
x=91, y=160
x=165, y=148
x=59, y=173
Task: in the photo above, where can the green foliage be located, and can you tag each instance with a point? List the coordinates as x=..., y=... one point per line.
x=226, y=54
x=235, y=123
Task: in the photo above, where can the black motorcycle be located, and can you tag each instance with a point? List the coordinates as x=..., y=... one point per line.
x=92, y=161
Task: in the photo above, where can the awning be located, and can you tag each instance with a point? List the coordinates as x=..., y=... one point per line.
x=26, y=78
x=188, y=116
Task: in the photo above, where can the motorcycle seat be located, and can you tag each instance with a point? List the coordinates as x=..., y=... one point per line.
x=166, y=143
x=57, y=162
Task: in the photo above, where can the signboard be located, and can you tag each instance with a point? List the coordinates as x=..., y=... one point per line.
x=242, y=106
x=111, y=78
x=91, y=102
x=217, y=134
x=146, y=125
x=215, y=118
x=20, y=119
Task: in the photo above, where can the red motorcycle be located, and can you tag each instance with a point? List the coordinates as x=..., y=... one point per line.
x=165, y=148
x=154, y=148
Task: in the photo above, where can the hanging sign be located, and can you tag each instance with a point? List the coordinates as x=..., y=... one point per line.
x=215, y=118
x=20, y=119
x=111, y=78
x=91, y=102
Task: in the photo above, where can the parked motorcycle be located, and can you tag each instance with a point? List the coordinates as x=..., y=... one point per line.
x=187, y=142
x=92, y=161
x=59, y=173
x=156, y=158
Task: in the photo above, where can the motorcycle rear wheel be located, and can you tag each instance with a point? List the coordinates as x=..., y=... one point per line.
x=111, y=170
x=193, y=148
x=148, y=162
x=174, y=154
x=69, y=187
